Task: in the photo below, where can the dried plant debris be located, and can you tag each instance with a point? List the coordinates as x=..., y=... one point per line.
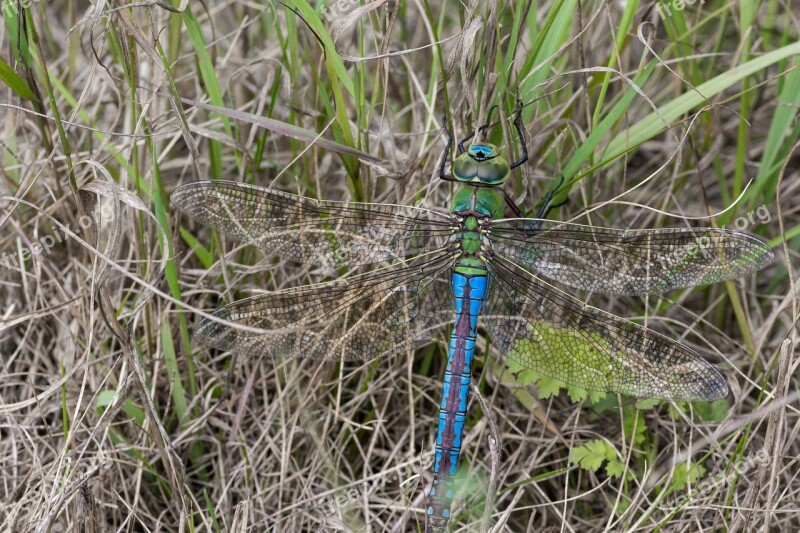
x=635, y=115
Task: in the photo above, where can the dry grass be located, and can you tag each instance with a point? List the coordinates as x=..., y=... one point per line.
x=112, y=420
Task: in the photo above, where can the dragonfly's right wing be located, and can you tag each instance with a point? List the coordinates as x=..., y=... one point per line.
x=628, y=261
x=332, y=234
x=385, y=312
x=542, y=328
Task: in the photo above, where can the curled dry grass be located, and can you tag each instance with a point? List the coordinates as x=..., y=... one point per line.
x=112, y=419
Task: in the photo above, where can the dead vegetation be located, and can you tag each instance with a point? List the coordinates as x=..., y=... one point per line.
x=111, y=419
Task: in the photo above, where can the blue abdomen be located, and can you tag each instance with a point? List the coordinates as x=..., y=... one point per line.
x=469, y=290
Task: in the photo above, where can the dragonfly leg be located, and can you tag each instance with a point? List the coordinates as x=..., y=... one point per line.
x=523, y=146
x=446, y=156
x=461, y=148
x=514, y=207
x=547, y=205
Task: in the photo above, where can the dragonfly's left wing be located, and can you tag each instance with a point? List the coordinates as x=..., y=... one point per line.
x=546, y=330
x=316, y=232
x=376, y=314
x=617, y=261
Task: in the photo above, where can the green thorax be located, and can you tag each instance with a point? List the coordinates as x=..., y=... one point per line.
x=485, y=202
x=474, y=206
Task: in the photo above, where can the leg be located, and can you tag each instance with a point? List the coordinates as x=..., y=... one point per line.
x=461, y=148
x=446, y=155
x=523, y=147
x=514, y=207
x=547, y=205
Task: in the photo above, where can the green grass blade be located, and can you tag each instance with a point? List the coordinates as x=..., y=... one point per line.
x=14, y=82
x=652, y=124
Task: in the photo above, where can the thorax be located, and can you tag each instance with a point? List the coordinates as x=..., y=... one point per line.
x=473, y=209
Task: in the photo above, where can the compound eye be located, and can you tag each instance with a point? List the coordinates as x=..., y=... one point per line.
x=493, y=171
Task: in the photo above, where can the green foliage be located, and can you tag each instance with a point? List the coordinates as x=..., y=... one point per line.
x=19, y=44
x=548, y=386
x=268, y=91
x=634, y=426
x=653, y=124
x=706, y=411
x=594, y=454
x=130, y=408
x=686, y=474
x=712, y=411
x=648, y=403
x=14, y=82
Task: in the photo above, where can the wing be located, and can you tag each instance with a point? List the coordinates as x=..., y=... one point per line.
x=614, y=261
x=331, y=234
x=544, y=329
x=380, y=313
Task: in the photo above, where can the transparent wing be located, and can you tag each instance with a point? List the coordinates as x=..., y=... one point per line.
x=381, y=313
x=554, y=334
x=331, y=234
x=614, y=261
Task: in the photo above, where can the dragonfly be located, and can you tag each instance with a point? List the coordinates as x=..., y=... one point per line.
x=468, y=268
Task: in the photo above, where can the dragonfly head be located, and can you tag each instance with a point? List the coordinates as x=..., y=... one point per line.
x=481, y=163
x=482, y=151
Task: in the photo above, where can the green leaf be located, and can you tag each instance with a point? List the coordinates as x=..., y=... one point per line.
x=104, y=399
x=524, y=375
x=583, y=355
x=14, y=82
x=577, y=394
x=615, y=468
x=780, y=129
x=634, y=426
x=173, y=370
x=555, y=30
x=201, y=252
x=716, y=411
x=647, y=403
x=18, y=39
x=682, y=476
x=548, y=387
x=593, y=454
x=332, y=57
x=597, y=396
x=712, y=411
x=609, y=122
